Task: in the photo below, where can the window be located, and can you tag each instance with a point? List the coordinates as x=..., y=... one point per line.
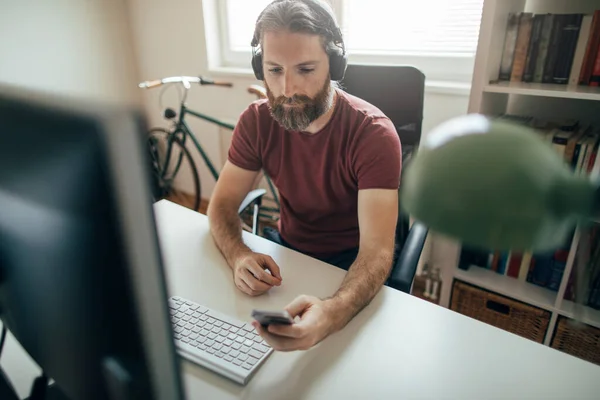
x=438, y=36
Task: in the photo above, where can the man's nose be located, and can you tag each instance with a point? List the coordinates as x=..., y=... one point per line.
x=289, y=86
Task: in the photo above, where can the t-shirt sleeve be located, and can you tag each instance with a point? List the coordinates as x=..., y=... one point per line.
x=244, y=150
x=378, y=156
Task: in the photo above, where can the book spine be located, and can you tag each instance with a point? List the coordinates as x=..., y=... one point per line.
x=510, y=40
x=553, y=48
x=534, y=45
x=540, y=62
x=591, y=50
x=566, y=48
x=521, y=47
x=584, y=35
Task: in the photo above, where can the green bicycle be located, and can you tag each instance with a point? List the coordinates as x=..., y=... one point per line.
x=169, y=151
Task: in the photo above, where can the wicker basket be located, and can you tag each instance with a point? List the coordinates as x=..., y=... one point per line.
x=502, y=312
x=577, y=339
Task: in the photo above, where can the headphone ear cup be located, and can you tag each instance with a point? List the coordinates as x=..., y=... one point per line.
x=337, y=65
x=257, y=65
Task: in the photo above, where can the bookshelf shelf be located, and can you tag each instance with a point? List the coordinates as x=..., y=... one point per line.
x=545, y=89
x=588, y=315
x=508, y=286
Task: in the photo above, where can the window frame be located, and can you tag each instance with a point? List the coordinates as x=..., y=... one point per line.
x=450, y=71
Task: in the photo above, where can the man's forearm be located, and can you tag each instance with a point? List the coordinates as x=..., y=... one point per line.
x=226, y=229
x=365, y=278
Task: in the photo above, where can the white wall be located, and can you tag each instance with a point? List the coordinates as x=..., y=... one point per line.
x=73, y=47
x=77, y=48
x=170, y=40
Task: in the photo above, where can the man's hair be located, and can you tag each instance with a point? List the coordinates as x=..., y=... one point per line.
x=298, y=17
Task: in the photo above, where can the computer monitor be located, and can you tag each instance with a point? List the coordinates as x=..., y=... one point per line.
x=82, y=284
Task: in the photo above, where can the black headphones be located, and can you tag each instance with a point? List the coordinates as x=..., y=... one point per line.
x=337, y=57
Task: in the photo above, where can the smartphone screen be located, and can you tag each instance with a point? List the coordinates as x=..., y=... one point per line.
x=265, y=317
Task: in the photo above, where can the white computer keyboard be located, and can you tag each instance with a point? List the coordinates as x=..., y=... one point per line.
x=223, y=344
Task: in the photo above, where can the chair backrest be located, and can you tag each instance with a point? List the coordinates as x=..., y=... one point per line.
x=399, y=92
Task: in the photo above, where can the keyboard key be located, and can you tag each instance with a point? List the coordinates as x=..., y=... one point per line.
x=220, y=339
x=231, y=336
x=189, y=327
x=236, y=346
x=208, y=326
x=189, y=303
x=186, y=318
x=228, y=342
x=239, y=339
x=234, y=329
x=178, y=329
x=217, y=346
x=203, y=317
x=196, y=314
x=219, y=354
x=226, y=326
x=194, y=321
x=224, y=332
x=260, y=348
x=248, y=327
x=255, y=354
x=209, y=343
x=251, y=361
x=201, y=339
x=196, y=330
x=212, y=335
x=183, y=308
x=245, y=349
x=247, y=366
x=218, y=323
x=227, y=358
x=194, y=336
x=234, y=353
x=211, y=320
x=179, y=314
x=201, y=324
x=257, y=339
x=194, y=306
x=216, y=329
x=177, y=336
x=248, y=342
x=181, y=323
x=202, y=347
x=237, y=362
x=185, y=340
x=204, y=332
x=242, y=357
x=226, y=350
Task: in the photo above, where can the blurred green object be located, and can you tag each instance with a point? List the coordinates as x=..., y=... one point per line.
x=496, y=185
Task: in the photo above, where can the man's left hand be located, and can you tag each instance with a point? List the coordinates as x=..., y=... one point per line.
x=313, y=324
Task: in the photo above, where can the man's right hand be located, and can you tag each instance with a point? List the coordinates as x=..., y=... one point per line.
x=251, y=276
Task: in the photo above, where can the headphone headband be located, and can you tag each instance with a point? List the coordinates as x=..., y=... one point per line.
x=337, y=60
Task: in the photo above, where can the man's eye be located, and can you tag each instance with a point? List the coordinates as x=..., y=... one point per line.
x=275, y=70
x=306, y=70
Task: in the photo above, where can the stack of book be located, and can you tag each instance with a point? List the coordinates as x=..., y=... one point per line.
x=578, y=144
x=552, y=48
x=590, y=284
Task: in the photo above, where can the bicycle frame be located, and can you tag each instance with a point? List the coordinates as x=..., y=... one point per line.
x=183, y=127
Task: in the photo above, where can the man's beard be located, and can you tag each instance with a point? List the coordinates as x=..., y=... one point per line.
x=307, y=110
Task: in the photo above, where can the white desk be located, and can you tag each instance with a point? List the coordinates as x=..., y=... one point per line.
x=397, y=347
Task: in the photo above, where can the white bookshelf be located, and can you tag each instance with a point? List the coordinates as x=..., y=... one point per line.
x=490, y=97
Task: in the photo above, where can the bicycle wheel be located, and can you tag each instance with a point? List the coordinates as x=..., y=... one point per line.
x=170, y=157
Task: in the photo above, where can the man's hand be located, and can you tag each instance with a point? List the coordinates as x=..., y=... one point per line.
x=313, y=324
x=250, y=273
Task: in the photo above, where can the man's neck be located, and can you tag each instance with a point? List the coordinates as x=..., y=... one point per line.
x=320, y=122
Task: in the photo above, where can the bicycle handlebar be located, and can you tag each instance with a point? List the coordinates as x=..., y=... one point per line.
x=185, y=80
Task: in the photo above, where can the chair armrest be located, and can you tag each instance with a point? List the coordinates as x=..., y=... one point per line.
x=254, y=196
x=403, y=271
x=257, y=90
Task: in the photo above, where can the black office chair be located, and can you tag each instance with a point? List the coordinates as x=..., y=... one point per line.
x=398, y=91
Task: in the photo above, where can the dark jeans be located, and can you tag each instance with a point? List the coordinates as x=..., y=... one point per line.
x=342, y=260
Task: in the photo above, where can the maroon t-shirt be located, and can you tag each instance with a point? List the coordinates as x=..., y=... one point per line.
x=318, y=175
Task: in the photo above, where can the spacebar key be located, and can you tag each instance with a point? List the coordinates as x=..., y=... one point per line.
x=224, y=318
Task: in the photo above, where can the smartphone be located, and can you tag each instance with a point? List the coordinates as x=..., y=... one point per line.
x=265, y=317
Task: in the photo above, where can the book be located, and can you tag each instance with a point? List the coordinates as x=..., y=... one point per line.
x=566, y=47
x=521, y=46
x=510, y=40
x=582, y=40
